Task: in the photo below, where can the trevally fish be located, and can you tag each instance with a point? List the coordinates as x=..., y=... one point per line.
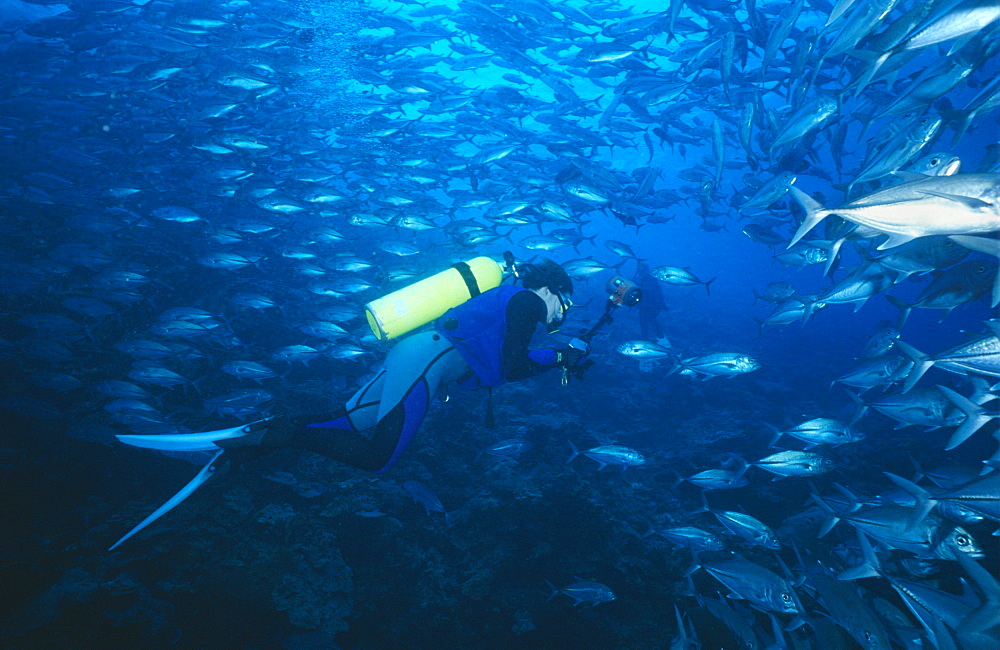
x=679, y=276
x=609, y=455
x=848, y=609
x=923, y=255
x=584, y=591
x=939, y=205
x=794, y=463
x=819, y=431
x=771, y=191
x=759, y=586
x=880, y=343
x=804, y=254
x=880, y=371
x=962, y=283
x=719, y=364
x=585, y=268
x=425, y=496
x=927, y=407
x=747, y=528
x=899, y=150
x=775, y=292
x=692, y=538
x=981, y=355
x=893, y=526
x=718, y=479
x=981, y=495
x=643, y=350
x=509, y=448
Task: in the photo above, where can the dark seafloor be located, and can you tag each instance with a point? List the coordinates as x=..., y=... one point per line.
x=189, y=188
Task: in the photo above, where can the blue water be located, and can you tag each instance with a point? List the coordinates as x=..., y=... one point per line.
x=240, y=113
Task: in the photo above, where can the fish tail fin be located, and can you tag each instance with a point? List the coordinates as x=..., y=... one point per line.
x=832, y=518
x=743, y=467
x=695, y=565
x=873, y=67
x=676, y=360
x=815, y=213
x=704, y=505
x=983, y=617
x=924, y=501
x=918, y=471
x=809, y=308
x=963, y=124
x=921, y=363
x=981, y=391
x=975, y=417
x=574, y=452
x=554, y=591
x=869, y=568
x=852, y=499
x=707, y=290
x=776, y=434
x=860, y=407
x=904, y=310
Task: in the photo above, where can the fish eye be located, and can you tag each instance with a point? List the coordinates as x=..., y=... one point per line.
x=786, y=597
x=868, y=636
x=962, y=540
x=935, y=161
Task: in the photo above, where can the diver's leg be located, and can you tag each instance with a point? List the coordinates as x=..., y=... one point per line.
x=414, y=370
x=657, y=327
x=645, y=327
x=392, y=433
x=361, y=411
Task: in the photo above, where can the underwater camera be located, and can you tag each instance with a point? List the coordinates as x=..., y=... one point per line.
x=621, y=292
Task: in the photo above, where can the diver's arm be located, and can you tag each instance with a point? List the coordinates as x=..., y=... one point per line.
x=524, y=311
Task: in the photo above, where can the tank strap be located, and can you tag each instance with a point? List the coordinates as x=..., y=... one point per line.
x=470, y=278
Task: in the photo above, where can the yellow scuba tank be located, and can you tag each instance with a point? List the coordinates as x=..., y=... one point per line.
x=420, y=303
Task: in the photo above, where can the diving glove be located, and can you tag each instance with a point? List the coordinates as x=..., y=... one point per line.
x=573, y=360
x=569, y=357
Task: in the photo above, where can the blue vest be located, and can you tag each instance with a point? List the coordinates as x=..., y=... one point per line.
x=477, y=328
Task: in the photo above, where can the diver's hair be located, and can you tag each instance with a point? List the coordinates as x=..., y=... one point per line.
x=545, y=273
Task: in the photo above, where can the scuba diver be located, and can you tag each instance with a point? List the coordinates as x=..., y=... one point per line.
x=651, y=306
x=482, y=329
x=482, y=342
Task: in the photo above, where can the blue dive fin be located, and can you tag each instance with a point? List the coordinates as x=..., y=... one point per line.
x=206, y=473
x=204, y=441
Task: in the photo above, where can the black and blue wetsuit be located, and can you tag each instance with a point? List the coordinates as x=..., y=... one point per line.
x=482, y=342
